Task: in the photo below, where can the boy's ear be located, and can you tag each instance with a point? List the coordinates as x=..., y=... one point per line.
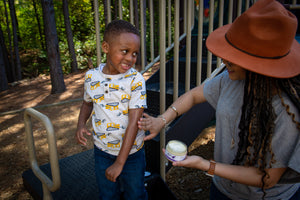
x=105, y=46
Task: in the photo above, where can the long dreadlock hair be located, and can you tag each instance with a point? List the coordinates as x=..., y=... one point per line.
x=257, y=120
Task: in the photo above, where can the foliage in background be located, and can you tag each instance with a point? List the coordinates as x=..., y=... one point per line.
x=33, y=53
x=33, y=56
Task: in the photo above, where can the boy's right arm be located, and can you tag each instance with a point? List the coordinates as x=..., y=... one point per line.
x=85, y=112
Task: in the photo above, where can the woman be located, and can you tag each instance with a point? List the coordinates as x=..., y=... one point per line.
x=257, y=139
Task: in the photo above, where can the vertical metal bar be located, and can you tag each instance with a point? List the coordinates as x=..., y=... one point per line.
x=188, y=46
x=247, y=4
x=143, y=52
x=200, y=43
x=184, y=15
x=230, y=11
x=176, y=50
x=151, y=30
x=120, y=9
x=210, y=29
x=162, y=73
x=108, y=12
x=97, y=29
x=169, y=23
x=193, y=14
x=221, y=19
x=131, y=11
x=239, y=8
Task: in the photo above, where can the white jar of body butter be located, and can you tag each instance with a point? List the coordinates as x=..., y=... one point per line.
x=175, y=150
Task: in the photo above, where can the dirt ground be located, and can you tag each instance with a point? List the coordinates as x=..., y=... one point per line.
x=186, y=184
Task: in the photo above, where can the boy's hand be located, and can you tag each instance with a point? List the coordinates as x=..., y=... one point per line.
x=154, y=125
x=80, y=135
x=113, y=172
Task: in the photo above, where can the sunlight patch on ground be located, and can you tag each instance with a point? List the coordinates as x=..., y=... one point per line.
x=8, y=148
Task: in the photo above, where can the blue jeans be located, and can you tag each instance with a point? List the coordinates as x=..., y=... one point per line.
x=215, y=194
x=130, y=183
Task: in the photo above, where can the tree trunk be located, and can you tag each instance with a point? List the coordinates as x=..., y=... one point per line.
x=3, y=79
x=56, y=73
x=69, y=33
x=12, y=69
x=3, y=63
x=7, y=65
x=39, y=25
x=15, y=38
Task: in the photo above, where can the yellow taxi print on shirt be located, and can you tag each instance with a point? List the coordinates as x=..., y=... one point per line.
x=114, y=144
x=143, y=95
x=137, y=86
x=101, y=135
x=112, y=106
x=125, y=98
x=97, y=122
x=88, y=77
x=129, y=75
x=113, y=87
x=125, y=112
x=112, y=127
x=98, y=98
x=95, y=85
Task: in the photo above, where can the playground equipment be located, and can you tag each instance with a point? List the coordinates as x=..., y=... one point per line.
x=72, y=177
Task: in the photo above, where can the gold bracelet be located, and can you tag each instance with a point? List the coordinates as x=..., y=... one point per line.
x=164, y=119
x=175, y=110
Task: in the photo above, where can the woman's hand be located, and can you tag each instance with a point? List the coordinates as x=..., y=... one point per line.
x=193, y=161
x=152, y=124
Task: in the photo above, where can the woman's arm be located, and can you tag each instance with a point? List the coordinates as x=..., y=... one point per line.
x=182, y=105
x=241, y=174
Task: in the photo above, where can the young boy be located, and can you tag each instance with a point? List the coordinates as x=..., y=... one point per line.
x=115, y=95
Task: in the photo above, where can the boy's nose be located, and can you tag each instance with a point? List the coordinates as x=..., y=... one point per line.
x=130, y=58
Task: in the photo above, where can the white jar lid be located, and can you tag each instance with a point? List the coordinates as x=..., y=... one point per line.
x=176, y=150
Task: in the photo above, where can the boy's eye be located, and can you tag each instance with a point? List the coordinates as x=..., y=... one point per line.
x=135, y=54
x=124, y=51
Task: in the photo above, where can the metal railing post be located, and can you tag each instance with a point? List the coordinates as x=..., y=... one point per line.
x=176, y=51
x=188, y=44
x=97, y=29
x=162, y=80
x=47, y=183
x=199, y=43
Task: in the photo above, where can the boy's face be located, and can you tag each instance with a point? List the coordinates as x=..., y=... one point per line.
x=121, y=52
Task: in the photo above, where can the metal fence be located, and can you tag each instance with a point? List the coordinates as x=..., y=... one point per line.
x=177, y=21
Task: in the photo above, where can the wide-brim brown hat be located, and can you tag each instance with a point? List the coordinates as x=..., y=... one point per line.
x=261, y=40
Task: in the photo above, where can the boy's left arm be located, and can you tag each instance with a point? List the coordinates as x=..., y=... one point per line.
x=115, y=169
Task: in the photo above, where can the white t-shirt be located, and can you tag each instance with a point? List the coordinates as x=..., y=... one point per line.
x=226, y=96
x=112, y=97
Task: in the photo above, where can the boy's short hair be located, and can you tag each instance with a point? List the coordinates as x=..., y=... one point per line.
x=116, y=27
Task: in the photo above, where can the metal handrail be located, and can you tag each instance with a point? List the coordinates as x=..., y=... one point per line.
x=48, y=184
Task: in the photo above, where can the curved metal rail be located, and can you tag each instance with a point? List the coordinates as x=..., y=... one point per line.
x=48, y=184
